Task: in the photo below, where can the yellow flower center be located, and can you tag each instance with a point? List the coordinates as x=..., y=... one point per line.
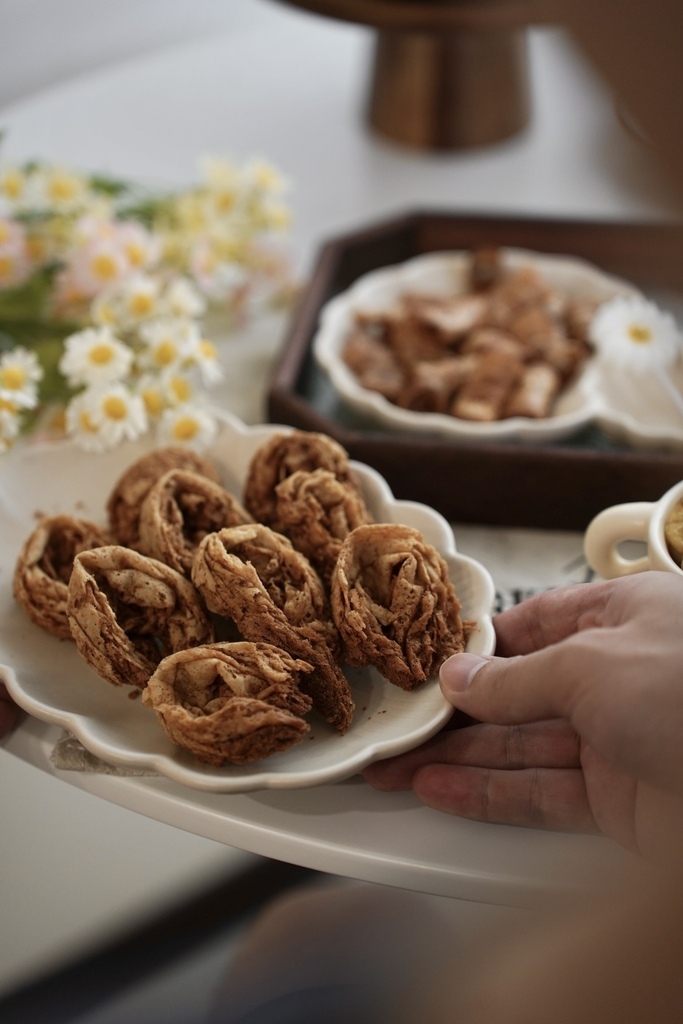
x=106, y=314
x=101, y=354
x=12, y=378
x=185, y=428
x=153, y=400
x=640, y=333
x=141, y=304
x=104, y=267
x=180, y=388
x=224, y=200
x=7, y=406
x=13, y=184
x=208, y=349
x=61, y=187
x=165, y=353
x=86, y=424
x=115, y=408
x=135, y=254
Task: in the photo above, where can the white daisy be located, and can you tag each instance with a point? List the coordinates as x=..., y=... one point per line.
x=167, y=342
x=95, y=356
x=152, y=390
x=632, y=332
x=219, y=280
x=142, y=248
x=204, y=355
x=184, y=300
x=98, y=264
x=105, y=309
x=139, y=298
x=82, y=426
x=177, y=387
x=20, y=372
x=222, y=180
x=263, y=176
x=101, y=418
x=60, y=189
x=13, y=185
x=188, y=424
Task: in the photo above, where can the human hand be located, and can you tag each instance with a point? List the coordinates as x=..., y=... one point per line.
x=581, y=712
x=8, y=714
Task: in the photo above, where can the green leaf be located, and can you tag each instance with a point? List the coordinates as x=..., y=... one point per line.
x=108, y=186
x=145, y=210
x=28, y=300
x=53, y=387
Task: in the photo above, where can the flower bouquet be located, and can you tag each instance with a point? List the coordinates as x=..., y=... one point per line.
x=103, y=290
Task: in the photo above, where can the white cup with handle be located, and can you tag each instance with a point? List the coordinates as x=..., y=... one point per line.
x=645, y=521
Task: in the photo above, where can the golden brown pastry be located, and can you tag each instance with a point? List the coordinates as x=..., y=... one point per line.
x=317, y=512
x=254, y=576
x=43, y=568
x=230, y=703
x=178, y=512
x=283, y=455
x=394, y=604
x=128, y=611
x=125, y=500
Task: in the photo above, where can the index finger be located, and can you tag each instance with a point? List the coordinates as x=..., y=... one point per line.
x=551, y=616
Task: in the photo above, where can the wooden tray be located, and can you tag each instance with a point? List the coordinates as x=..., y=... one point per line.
x=559, y=486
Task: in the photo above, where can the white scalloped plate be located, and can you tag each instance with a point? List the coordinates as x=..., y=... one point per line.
x=629, y=407
x=48, y=679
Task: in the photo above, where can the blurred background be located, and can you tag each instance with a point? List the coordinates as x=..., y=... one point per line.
x=142, y=89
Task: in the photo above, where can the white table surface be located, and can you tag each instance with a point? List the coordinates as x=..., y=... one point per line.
x=288, y=86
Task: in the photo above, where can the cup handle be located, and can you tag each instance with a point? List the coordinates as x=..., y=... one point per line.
x=608, y=530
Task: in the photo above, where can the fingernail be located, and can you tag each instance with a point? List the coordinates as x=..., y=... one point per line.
x=458, y=671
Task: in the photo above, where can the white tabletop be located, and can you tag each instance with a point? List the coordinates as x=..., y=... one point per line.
x=270, y=81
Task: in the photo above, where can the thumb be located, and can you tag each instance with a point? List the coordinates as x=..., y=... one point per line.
x=505, y=690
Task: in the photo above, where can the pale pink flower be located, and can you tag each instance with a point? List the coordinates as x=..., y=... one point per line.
x=15, y=265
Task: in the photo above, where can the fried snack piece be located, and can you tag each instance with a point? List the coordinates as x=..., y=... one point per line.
x=519, y=289
x=486, y=267
x=128, y=611
x=394, y=604
x=283, y=455
x=578, y=316
x=373, y=363
x=433, y=384
x=483, y=396
x=254, y=576
x=41, y=575
x=673, y=532
x=535, y=392
x=125, y=500
x=178, y=512
x=317, y=512
x=230, y=703
x=449, y=318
